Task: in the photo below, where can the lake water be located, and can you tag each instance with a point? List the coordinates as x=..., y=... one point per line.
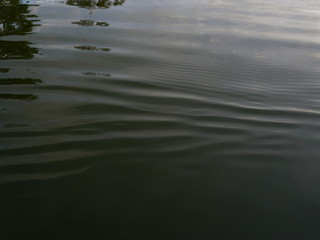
x=160, y=119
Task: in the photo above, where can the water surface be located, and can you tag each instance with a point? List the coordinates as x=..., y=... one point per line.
x=159, y=119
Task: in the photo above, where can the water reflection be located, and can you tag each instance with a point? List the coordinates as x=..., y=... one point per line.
x=95, y=3
x=92, y=48
x=16, y=19
x=96, y=74
x=92, y=4
x=17, y=50
x=89, y=23
x=11, y=81
x=4, y=70
x=25, y=97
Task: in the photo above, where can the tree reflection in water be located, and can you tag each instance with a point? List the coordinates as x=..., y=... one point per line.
x=16, y=19
x=89, y=23
x=16, y=50
x=95, y=3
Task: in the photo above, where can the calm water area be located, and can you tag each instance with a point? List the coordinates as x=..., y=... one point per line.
x=159, y=119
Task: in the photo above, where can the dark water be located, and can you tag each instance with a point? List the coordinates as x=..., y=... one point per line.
x=160, y=119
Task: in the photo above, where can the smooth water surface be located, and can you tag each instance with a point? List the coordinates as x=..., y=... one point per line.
x=159, y=119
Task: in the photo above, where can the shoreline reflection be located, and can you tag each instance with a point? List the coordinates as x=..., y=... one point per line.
x=16, y=19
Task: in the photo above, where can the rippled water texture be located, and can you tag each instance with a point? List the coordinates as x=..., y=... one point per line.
x=159, y=119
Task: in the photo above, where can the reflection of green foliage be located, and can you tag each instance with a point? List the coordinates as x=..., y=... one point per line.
x=96, y=74
x=15, y=18
x=16, y=50
x=14, y=81
x=26, y=97
x=4, y=70
x=95, y=3
x=92, y=48
x=89, y=23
